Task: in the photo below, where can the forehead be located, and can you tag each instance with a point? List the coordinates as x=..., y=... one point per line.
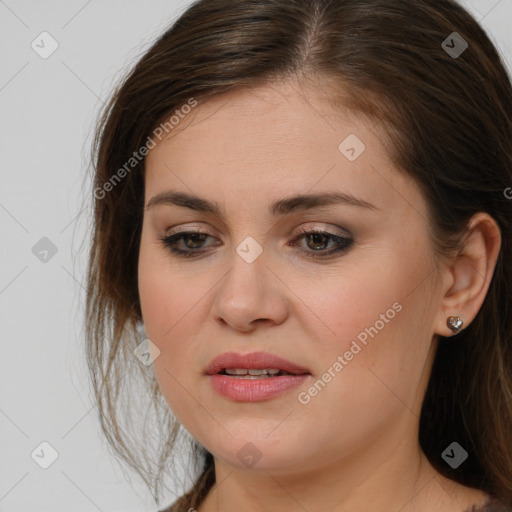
x=275, y=140
x=267, y=120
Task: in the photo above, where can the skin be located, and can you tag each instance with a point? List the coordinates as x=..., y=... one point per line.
x=354, y=447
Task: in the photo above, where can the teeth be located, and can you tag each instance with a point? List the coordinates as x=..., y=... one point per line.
x=251, y=377
x=251, y=371
x=235, y=371
x=258, y=372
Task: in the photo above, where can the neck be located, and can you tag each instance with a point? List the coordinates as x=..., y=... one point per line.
x=396, y=478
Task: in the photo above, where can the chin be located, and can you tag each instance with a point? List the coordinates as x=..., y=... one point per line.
x=252, y=450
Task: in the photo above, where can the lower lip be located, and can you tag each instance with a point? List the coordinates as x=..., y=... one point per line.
x=254, y=390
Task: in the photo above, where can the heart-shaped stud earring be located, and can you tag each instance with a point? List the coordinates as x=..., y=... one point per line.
x=454, y=323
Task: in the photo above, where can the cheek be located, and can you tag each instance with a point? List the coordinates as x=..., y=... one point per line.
x=166, y=296
x=378, y=319
x=170, y=303
x=357, y=304
x=370, y=369
x=161, y=305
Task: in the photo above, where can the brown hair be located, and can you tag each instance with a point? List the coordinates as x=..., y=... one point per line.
x=449, y=122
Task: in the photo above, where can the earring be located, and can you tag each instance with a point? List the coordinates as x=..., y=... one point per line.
x=454, y=323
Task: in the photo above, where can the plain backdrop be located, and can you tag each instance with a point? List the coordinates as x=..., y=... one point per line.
x=48, y=107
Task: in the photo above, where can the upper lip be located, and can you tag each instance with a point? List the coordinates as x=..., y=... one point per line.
x=254, y=360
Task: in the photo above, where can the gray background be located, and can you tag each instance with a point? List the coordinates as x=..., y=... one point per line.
x=48, y=109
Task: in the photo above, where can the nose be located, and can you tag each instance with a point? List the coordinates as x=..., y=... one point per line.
x=250, y=294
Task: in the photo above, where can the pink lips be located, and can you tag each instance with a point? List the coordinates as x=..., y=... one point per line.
x=253, y=390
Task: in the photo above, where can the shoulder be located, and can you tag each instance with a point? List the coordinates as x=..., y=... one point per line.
x=490, y=504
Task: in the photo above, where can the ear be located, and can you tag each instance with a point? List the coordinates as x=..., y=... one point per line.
x=467, y=276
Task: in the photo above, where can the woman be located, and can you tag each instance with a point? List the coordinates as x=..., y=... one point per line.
x=302, y=230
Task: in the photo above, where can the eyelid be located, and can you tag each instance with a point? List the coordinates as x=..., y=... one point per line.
x=332, y=230
x=300, y=230
x=184, y=228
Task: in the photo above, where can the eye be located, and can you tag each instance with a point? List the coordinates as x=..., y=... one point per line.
x=316, y=240
x=193, y=240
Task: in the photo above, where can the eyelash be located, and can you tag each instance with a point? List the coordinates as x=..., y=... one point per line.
x=344, y=243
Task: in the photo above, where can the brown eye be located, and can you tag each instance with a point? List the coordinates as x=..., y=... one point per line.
x=317, y=242
x=196, y=238
x=192, y=241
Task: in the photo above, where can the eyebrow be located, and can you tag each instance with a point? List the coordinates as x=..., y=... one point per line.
x=284, y=206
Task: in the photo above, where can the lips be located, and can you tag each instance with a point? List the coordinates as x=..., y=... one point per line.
x=246, y=380
x=254, y=360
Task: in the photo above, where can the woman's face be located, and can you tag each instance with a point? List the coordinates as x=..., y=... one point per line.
x=356, y=308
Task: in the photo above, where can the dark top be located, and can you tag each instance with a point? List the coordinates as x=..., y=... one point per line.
x=490, y=504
